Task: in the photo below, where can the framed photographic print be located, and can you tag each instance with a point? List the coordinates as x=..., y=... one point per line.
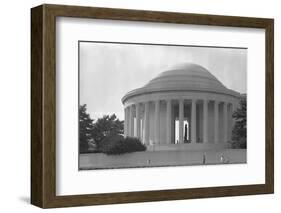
x=137, y=106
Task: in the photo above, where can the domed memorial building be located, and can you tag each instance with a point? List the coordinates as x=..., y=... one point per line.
x=185, y=108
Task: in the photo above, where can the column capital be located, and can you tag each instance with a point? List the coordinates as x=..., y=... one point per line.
x=181, y=100
x=131, y=105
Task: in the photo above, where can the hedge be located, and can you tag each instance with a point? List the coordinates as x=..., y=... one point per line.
x=117, y=145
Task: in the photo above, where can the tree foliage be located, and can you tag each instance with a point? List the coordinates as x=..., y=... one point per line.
x=108, y=125
x=239, y=132
x=85, y=129
x=92, y=133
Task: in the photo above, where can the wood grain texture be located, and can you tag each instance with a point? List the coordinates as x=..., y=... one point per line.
x=269, y=107
x=43, y=105
x=36, y=106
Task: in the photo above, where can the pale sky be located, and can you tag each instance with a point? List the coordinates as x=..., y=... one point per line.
x=109, y=70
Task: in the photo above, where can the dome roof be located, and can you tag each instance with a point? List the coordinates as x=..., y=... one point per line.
x=183, y=77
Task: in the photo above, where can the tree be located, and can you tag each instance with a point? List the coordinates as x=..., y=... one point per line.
x=85, y=129
x=239, y=132
x=108, y=125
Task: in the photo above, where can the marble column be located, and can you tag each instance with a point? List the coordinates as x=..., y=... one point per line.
x=169, y=121
x=137, y=129
x=225, y=123
x=181, y=118
x=146, y=123
x=131, y=121
x=216, y=122
x=157, y=122
x=205, y=121
x=193, y=121
x=125, y=122
x=231, y=123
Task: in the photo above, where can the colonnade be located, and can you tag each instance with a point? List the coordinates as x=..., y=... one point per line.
x=137, y=122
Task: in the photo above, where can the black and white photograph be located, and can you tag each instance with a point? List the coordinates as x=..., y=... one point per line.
x=146, y=104
x=157, y=105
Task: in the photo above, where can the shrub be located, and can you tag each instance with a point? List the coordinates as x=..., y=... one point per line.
x=240, y=144
x=117, y=144
x=109, y=142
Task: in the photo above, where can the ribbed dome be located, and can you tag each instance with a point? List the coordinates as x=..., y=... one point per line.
x=183, y=77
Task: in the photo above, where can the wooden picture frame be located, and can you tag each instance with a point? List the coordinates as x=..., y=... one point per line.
x=43, y=105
